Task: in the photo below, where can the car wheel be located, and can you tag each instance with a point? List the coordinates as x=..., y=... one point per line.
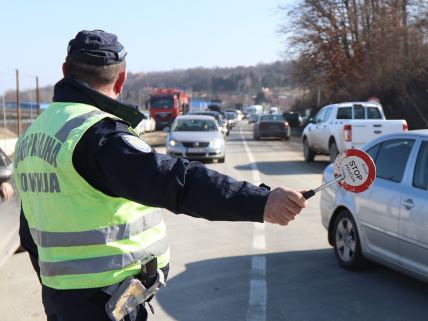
x=308, y=153
x=221, y=160
x=333, y=152
x=346, y=242
x=287, y=138
x=256, y=137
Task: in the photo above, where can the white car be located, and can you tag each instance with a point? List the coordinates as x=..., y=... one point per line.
x=388, y=223
x=146, y=125
x=338, y=127
x=196, y=137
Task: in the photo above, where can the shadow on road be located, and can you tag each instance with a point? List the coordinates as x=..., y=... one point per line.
x=287, y=167
x=305, y=285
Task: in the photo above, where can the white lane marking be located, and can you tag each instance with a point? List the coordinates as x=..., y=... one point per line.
x=258, y=290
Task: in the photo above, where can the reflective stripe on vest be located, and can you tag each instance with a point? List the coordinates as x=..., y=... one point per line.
x=85, y=238
x=99, y=236
x=103, y=263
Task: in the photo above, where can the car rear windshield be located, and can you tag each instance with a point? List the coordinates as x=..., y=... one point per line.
x=194, y=125
x=272, y=118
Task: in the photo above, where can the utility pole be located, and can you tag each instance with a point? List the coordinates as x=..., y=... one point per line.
x=37, y=96
x=18, y=112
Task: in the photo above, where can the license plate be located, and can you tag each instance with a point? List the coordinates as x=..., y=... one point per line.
x=196, y=150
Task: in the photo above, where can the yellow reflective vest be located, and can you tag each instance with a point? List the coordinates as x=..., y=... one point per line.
x=85, y=239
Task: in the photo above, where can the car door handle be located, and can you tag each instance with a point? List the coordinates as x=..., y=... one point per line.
x=408, y=204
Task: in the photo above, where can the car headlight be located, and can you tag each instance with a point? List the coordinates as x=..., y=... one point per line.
x=172, y=143
x=216, y=143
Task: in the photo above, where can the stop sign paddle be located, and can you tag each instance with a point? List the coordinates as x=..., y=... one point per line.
x=354, y=170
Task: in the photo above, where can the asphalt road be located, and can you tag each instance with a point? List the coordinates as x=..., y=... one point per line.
x=253, y=272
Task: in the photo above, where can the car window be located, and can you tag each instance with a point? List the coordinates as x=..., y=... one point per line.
x=392, y=158
x=359, y=112
x=373, y=113
x=420, y=176
x=373, y=151
x=344, y=113
x=320, y=116
x=327, y=114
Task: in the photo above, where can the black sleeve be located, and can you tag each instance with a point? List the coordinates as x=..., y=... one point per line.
x=111, y=165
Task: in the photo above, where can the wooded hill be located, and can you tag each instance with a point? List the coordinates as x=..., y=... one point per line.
x=240, y=81
x=240, y=84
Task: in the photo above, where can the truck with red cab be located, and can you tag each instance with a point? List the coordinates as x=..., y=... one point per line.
x=166, y=104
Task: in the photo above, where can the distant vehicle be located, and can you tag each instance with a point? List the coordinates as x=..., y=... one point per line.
x=9, y=213
x=293, y=119
x=271, y=125
x=198, y=105
x=166, y=104
x=222, y=122
x=253, y=118
x=238, y=113
x=231, y=118
x=255, y=109
x=341, y=126
x=146, y=125
x=388, y=222
x=274, y=110
x=196, y=137
x=214, y=107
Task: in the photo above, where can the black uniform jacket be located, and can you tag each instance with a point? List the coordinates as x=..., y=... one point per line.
x=109, y=164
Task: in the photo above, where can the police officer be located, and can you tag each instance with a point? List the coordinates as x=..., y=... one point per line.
x=91, y=189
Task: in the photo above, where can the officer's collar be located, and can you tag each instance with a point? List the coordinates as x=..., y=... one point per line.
x=74, y=90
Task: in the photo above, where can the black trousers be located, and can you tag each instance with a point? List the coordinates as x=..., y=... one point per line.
x=80, y=305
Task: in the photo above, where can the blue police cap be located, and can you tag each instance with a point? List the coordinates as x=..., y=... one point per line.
x=96, y=47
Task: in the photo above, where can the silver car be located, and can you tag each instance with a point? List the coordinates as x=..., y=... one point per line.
x=196, y=137
x=388, y=223
x=9, y=213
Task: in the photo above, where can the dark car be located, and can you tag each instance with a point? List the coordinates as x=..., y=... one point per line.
x=271, y=125
x=293, y=119
x=9, y=213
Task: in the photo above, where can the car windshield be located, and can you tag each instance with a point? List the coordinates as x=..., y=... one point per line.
x=272, y=117
x=230, y=115
x=194, y=125
x=160, y=103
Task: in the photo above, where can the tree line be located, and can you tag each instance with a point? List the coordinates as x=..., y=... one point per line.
x=354, y=49
x=212, y=82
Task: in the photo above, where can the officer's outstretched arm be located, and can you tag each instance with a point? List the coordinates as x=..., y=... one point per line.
x=283, y=205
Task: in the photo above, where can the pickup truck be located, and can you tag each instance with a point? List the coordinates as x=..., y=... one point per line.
x=338, y=127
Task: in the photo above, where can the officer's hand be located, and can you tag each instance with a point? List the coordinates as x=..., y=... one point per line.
x=283, y=205
x=6, y=191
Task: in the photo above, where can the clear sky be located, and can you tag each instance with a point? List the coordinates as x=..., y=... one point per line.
x=158, y=35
